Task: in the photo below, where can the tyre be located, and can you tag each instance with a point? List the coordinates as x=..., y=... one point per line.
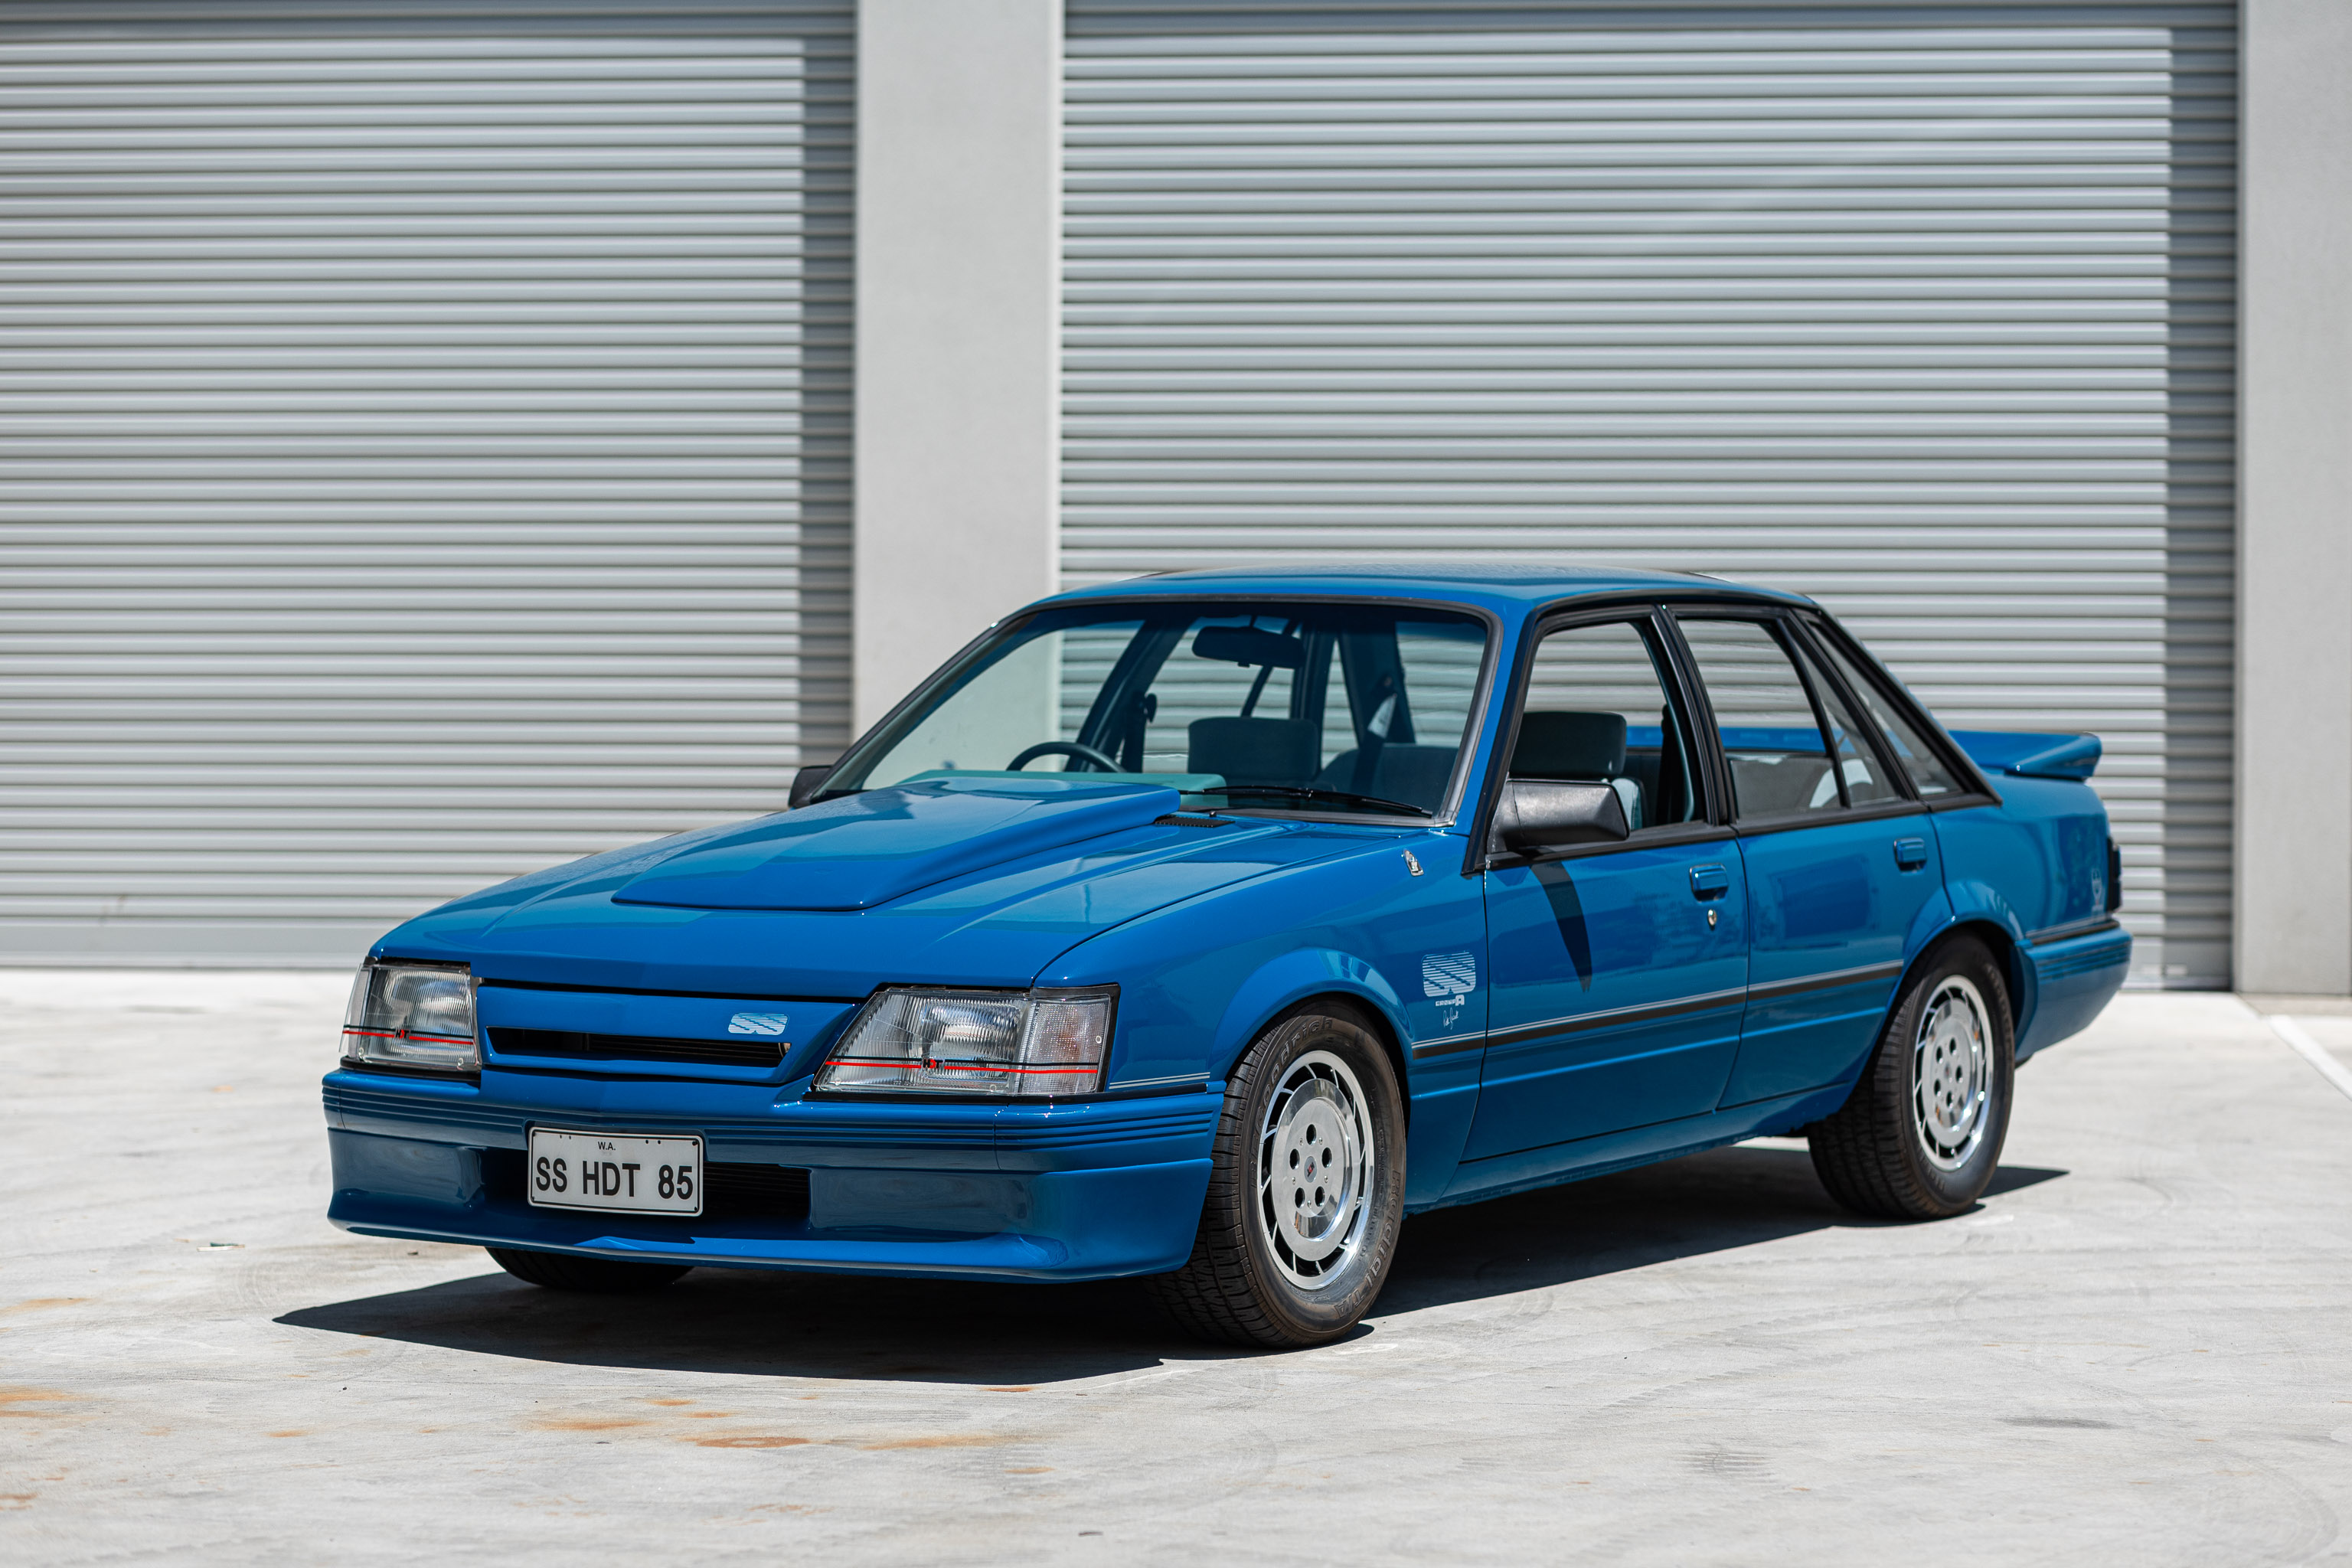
x=1306, y=1191
x=600, y=1276
x=1921, y=1134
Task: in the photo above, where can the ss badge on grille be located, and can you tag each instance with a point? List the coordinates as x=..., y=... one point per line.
x=757, y=1024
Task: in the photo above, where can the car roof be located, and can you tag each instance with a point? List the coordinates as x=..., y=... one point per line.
x=1507, y=588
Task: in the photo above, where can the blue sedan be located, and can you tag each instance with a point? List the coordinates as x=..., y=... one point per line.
x=1205, y=926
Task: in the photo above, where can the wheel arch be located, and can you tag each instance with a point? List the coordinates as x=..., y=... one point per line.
x=1376, y=1023
x=1978, y=909
x=1307, y=978
x=2005, y=951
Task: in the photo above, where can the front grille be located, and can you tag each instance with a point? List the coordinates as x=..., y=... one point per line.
x=755, y=1192
x=729, y=1191
x=753, y=1051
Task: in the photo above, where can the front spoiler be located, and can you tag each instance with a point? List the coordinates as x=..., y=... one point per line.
x=1067, y=1190
x=1082, y=1224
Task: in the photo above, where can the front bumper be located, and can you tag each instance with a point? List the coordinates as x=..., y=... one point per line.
x=1084, y=1190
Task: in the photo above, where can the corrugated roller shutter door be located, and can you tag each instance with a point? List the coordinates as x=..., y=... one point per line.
x=425, y=437
x=1925, y=311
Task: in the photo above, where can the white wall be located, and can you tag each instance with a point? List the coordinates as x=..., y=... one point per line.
x=958, y=268
x=2294, y=478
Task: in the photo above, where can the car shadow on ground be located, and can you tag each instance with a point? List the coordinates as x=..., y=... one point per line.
x=927, y=1331
x=1714, y=1202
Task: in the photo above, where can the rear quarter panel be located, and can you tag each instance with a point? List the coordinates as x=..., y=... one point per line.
x=2036, y=866
x=2040, y=857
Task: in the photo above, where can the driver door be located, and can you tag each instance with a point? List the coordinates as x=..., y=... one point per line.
x=1617, y=969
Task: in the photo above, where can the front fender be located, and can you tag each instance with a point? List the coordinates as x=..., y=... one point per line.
x=1200, y=980
x=1282, y=983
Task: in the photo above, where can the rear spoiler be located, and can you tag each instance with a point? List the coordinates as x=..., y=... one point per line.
x=2031, y=755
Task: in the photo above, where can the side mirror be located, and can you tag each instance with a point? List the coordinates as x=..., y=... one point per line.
x=806, y=783
x=1541, y=814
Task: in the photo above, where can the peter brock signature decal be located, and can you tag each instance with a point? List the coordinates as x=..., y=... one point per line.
x=1449, y=977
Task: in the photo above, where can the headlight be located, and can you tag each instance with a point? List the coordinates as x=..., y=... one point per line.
x=413, y=1016
x=975, y=1042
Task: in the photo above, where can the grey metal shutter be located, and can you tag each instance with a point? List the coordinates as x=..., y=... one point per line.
x=1925, y=310
x=425, y=441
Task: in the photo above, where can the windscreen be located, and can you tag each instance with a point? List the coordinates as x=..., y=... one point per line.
x=1353, y=709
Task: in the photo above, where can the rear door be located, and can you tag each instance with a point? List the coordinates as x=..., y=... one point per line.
x=1842, y=862
x=1617, y=969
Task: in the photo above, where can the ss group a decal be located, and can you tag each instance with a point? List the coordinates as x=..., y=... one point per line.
x=1448, y=978
x=757, y=1024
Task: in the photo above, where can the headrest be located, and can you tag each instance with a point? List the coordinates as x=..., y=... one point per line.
x=1254, y=751
x=1562, y=745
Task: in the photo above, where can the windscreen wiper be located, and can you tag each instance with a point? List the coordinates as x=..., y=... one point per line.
x=1302, y=792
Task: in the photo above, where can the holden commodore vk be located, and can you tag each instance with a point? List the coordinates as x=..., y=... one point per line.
x=1205, y=926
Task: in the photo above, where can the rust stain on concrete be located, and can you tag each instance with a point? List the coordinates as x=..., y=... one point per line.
x=957, y=1440
x=12, y=1397
x=751, y=1440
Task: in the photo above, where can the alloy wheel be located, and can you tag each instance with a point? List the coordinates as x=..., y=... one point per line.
x=1315, y=1171
x=1951, y=1074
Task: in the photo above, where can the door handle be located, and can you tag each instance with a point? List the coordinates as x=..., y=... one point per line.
x=1910, y=854
x=1709, y=882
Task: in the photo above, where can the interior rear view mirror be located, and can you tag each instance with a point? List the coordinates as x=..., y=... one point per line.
x=1536, y=814
x=1249, y=645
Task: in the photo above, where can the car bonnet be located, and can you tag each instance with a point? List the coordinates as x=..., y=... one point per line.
x=929, y=886
x=877, y=845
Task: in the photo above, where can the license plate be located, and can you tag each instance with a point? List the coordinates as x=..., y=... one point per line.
x=614, y=1172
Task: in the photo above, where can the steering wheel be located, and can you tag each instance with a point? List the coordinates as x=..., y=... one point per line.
x=1062, y=749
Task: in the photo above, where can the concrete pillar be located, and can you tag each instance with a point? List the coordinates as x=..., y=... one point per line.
x=958, y=334
x=2294, y=904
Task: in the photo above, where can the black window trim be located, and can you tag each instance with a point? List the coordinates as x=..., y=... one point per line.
x=1812, y=665
x=1774, y=619
x=1711, y=826
x=1790, y=649
x=1976, y=789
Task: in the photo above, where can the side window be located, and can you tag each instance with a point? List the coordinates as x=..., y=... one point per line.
x=1764, y=717
x=1599, y=712
x=1920, y=760
x=1858, y=765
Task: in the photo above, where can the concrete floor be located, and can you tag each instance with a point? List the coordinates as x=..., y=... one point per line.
x=2135, y=1352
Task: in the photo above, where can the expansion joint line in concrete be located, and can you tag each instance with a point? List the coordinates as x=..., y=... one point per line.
x=2311, y=1051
